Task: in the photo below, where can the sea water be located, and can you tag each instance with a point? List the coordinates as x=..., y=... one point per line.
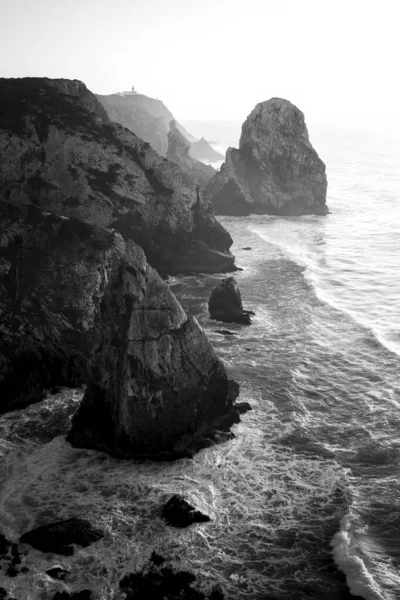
x=305, y=501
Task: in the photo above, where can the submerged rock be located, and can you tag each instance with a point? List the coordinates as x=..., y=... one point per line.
x=158, y=582
x=177, y=512
x=59, y=537
x=225, y=303
x=275, y=170
x=58, y=573
x=155, y=387
x=61, y=152
x=178, y=152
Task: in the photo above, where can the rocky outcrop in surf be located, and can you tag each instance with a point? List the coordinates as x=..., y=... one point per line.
x=70, y=293
x=275, y=170
x=155, y=386
x=61, y=153
x=225, y=303
x=178, y=152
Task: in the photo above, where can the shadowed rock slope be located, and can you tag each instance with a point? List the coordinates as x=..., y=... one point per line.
x=61, y=153
x=275, y=170
x=178, y=152
x=72, y=294
x=147, y=117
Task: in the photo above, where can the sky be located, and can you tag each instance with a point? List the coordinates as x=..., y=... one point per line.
x=337, y=60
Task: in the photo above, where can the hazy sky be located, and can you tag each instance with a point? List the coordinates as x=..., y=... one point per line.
x=337, y=60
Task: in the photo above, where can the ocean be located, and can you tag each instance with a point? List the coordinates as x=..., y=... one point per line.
x=305, y=501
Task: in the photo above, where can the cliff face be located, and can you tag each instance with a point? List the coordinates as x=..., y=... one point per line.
x=275, y=170
x=155, y=384
x=61, y=153
x=53, y=272
x=72, y=294
x=178, y=153
x=146, y=117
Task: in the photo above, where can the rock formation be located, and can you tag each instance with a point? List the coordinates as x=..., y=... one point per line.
x=155, y=385
x=178, y=152
x=69, y=291
x=60, y=537
x=202, y=150
x=275, y=170
x=53, y=271
x=147, y=117
x=225, y=303
x=60, y=152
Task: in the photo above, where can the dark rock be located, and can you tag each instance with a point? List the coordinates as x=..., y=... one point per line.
x=202, y=150
x=177, y=512
x=242, y=407
x=225, y=303
x=178, y=152
x=58, y=573
x=275, y=170
x=225, y=332
x=58, y=537
x=165, y=583
x=10, y=557
x=82, y=595
x=246, y=248
x=53, y=272
x=157, y=559
x=156, y=388
x=61, y=153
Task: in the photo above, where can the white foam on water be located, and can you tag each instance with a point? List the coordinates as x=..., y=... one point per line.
x=348, y=556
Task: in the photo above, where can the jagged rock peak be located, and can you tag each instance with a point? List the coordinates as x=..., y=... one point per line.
x=272, y=115
x=275, y=170
x=178, y=145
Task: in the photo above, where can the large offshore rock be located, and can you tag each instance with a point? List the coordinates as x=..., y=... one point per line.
x=275, y=170
x=61, y=153
x=53, y=272
x=70, y=291
x=179, y=153
x=155, y=384
x=225, y=303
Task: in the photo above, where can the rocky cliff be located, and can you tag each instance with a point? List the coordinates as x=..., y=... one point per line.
x=53, y=272
x=147, y=117
x=73, y=293
x=179, y=153
x=61, y=153
x=155, y=385
x=275, y=170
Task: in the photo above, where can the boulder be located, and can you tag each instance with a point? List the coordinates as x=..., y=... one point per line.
x=61, y=153
x=178, y=152
x=177, y=512
x=155, y=386
x=225, y=303
x=59, y=537
x=275, y=170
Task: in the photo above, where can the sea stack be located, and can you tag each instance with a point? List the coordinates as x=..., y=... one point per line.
x=179, y=153
x=275, y=171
